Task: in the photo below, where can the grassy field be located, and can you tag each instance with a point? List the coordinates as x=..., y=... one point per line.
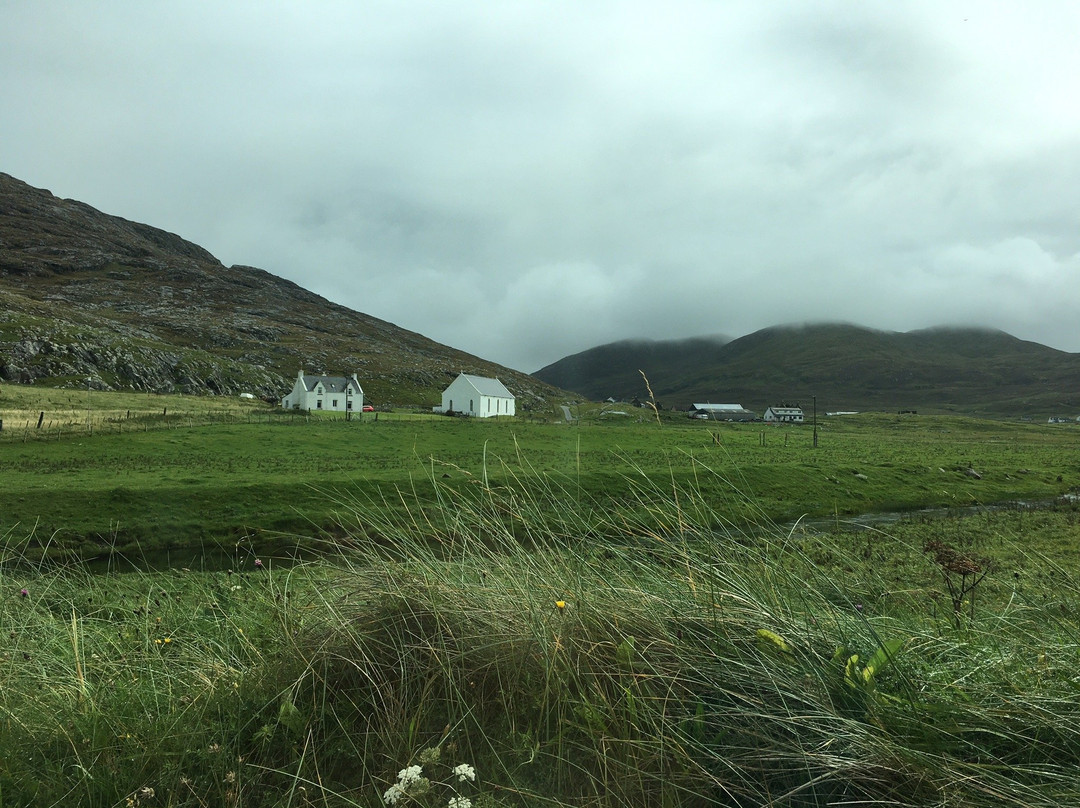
x=612, y=612
x=526, y=651
x=176, y=477
x=75, y=412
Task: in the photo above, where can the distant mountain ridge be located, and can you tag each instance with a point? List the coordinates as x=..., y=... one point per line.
x=847, y=367
x=87, y=295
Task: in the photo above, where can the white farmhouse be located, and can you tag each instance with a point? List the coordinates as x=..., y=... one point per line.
x=333, y=393
x=477, y=396
x=784, y=415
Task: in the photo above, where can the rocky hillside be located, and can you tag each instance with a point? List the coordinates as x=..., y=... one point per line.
x=847, y=367
x=88, y=295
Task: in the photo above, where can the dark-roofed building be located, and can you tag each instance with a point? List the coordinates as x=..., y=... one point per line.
x=722, y=412
x=333, y=393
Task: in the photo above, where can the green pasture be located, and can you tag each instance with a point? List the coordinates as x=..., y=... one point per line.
x=177, y=474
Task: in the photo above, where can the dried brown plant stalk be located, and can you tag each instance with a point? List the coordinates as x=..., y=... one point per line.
x=652, y=398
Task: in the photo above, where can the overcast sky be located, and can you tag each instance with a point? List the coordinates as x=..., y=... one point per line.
x=525, y=180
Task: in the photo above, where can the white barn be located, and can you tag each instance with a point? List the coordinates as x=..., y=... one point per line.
x=477, y=396
x=332, y=393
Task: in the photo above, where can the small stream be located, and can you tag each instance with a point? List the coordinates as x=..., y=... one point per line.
x=875, y=521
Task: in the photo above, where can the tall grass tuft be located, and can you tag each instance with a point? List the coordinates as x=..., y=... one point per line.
x=672, y=664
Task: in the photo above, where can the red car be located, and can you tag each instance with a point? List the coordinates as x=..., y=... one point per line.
x=367, y=408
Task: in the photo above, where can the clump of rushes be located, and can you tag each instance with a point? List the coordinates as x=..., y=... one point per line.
x=696, y=667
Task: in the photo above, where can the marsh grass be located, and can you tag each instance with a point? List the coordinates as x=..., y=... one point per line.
x=682, y=666
x=575, y=654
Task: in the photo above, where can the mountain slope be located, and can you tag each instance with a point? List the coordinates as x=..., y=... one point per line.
x=87, y=295
x=615, y=368
x=846, y=367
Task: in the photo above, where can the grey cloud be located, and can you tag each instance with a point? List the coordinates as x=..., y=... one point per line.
x=566, y=174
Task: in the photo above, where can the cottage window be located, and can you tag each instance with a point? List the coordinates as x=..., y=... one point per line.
x=333, y=404
x=318, y=404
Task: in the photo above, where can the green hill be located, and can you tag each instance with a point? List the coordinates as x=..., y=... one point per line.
x=847, y=367
x=131, y=307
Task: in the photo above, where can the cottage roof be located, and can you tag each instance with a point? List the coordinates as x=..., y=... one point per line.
x=487, y=387
x=332, y=384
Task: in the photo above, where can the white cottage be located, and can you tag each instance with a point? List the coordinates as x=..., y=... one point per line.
x=333, y=393
x=784, y=415
x=477, y=396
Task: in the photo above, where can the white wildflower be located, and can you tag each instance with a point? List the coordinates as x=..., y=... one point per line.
x=393, y=794
x=464, y=772
x=459, y=802
x=406, y=777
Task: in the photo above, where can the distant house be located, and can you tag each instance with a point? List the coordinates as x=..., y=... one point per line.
x=722, y=412
x=333, y=393
x=784, y=415
x=477, y=396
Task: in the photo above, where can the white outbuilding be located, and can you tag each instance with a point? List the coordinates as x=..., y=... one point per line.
x=477, y=396
x=332, y=393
